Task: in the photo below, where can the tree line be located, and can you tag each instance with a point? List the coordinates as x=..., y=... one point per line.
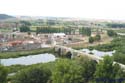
x=116, y=25
x=68, y=30
x=77, y=70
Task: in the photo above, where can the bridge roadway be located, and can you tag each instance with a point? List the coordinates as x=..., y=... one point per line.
x=93, y=57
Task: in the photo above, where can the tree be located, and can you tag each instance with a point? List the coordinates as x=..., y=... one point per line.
x=98, y=37
x=13, y=35
x=67, y=71
x=24, y=29
x=51, y=22
x=3, y=74
x=33, y=75
x=25, y=26
x=88, y=68
x=85, y=31
x=91, y=39
x=119, y=57
x=106, y=71
x=111, y=33
x=25, y=23
x=29, y=33
x=116, y=25
x=88, y=31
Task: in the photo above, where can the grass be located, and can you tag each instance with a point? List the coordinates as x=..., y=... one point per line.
x=120, y=31
x=34, y=28
x=4, y=55
x=5, y=30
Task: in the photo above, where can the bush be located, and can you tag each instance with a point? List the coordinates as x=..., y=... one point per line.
x=66, y=71
x=88, y=68
x=91, y=39
x=107, y=70
x=97, y=37
x=33, y=75
x=111, y=33
x=3, y=74
x=24, y=29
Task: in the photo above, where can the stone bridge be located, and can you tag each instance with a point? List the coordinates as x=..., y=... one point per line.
x=75, y=53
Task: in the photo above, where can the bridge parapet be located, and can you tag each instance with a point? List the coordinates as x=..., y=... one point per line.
x=76, y=53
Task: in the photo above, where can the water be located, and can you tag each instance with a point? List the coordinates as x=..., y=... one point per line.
x=98, y=53
x=28, y=60
x=121, y=34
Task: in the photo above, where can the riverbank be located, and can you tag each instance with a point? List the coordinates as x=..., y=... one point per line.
x=5, y=55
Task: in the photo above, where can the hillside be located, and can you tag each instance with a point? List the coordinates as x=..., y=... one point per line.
x=4, y=16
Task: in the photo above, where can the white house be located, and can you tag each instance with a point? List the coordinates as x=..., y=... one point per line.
x=61, y=35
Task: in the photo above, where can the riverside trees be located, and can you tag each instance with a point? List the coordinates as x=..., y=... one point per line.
x=67, y=71
x=78, y=70
x=111, y=33
x=107, y=72
x=3, y=74
x=33, y=75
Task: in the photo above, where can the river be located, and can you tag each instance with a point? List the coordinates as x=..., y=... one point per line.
x=29, y=60
x=44, y=58
x=98, y=53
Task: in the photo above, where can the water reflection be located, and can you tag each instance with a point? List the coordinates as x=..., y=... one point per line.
x=28, y=60
x=98, y=53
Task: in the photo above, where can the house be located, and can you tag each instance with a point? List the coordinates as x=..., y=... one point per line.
x=60, y=35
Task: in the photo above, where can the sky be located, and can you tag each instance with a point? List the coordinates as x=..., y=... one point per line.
x=97, y=9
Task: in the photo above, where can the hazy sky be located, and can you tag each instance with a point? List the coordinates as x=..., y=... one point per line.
x=100, y=9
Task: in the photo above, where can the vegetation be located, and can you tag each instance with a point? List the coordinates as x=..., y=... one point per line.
x=119, y=55
x=96, y=38
x=116, y=25
x=78, y=70
x=85, y=31
x=107, y=72
x=3, y=74
x=16, y=68
x=118, y=45
x=25, y=53
x=111, y=33
x=25, y=23
x=47, y=29
x=24, y=29
x=120, y=30
x=91, y=39
x=25, y=26
x=69, y=30
x=66, y=71
x=88, y=68
x=33, y=75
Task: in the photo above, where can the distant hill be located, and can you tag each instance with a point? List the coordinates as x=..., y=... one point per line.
x=4, y=16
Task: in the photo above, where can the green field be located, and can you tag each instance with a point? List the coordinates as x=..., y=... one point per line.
x=4, y=55
x=33, y=28
x=5, y=30
x=120, y=31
